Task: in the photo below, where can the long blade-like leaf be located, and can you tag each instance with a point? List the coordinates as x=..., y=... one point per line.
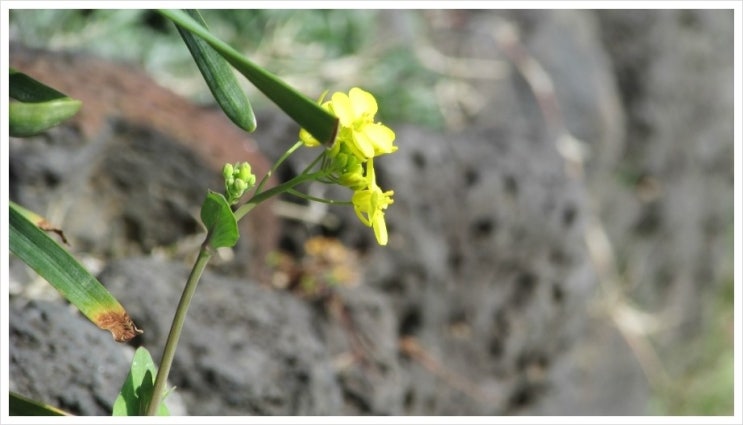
x=37, y=107
x=26, y=89
x=19, y=405
x=305, y=112
x=218, y=75
x=73, y=281
x=39, y=221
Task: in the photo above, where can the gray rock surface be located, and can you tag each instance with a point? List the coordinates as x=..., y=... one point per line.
x=47, y=360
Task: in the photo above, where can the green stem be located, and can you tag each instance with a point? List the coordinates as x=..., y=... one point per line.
x=275, y=166
x=313, y=163
x=176, y=328
x=283, y=187
x=299, y=194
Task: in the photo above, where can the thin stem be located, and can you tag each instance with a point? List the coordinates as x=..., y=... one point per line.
x=313, y=163
x=176, y=328
x=299, y=194
x=283, y=187
x=275, y=166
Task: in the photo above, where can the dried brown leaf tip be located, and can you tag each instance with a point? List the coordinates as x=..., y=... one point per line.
x=119, y=324
x=48, y=227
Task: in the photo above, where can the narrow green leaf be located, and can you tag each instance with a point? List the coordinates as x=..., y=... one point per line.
x=137, y=389
x=219, y=220
x=19, y=405
x=30, y=119
x=305, y=112
x=39, y=221
x=62, y=271
x=218, y=75
x=26, y=89
x=38, y=107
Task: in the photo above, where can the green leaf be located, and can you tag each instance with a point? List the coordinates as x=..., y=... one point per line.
x=21, y=406
x=38, y=107
x=73, y=281
x=30, y=119
x=26, y=89
x=219, y=220
x=304, y=111
x=218, y=75
x=39, y=221
x=137, y=389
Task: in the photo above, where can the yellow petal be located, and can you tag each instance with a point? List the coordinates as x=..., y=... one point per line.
x=361, y=203
x=380, y=228
x=307, y=138
x=381, y=138
x=363, y=103
x=341, y=105
x=363, y=143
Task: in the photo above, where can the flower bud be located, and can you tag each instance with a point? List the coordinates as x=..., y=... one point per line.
x=244, y=172
x=227, y=170
x=240, y=186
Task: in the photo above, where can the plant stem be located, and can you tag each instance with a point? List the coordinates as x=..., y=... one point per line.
x=283, y=158
x=176, y=328
x=283, y=187
x=316, y=199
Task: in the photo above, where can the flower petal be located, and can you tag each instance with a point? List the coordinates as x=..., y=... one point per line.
x=363, y=103
x=364, y=144
x=361, y=205
x=341, y=105
x=307, y=138
x=381, y=138
x=380, y=228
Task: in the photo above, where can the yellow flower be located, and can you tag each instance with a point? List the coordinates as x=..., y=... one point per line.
x=355, y=111
x=369, y=204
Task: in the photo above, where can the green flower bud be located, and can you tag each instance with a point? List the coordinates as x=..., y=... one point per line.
x=239, y=187
x=227, y=170
x=354, y=181
x=244, y=171
x=339, y=161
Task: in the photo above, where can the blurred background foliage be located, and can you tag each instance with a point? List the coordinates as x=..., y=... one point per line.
x=705, y=386
x=318, y=50
x=314, y=50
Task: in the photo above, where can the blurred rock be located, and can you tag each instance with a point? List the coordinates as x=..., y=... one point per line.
x=668, y=206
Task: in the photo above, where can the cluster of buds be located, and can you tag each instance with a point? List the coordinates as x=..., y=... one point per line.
x=238, y=178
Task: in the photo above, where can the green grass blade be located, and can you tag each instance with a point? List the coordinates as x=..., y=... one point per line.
x=26, y=89
x=137, y=389
x=30, y=119
x=73, y=281
x=304, y=111
x=219, y=77
x=39, y=221
x=37, y=107
x=19, y=405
